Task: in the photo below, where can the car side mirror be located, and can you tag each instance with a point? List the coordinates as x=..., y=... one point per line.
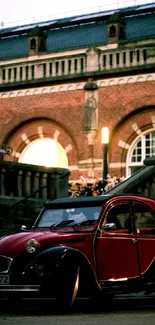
x=23, y=228
x=109, y=226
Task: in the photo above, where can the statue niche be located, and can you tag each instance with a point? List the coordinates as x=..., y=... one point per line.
x=90, y=113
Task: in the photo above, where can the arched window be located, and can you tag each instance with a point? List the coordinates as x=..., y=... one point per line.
x=122, y=32
x=112, y=31
x=42, y=44
x=33, y=44
x=44, y=152
x=142, y=148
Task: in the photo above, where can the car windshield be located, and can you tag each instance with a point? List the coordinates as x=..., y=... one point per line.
x=68, y=217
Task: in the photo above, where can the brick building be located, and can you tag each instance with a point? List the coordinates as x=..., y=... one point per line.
x=62, y=80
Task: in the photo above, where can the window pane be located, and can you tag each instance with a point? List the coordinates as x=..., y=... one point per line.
x=137, y=153
x=150, y=144
x=142, y=149
x=120, y=216
x=144, y=219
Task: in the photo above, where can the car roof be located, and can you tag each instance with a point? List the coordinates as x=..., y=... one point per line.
x=67, y=202
x=80, y=201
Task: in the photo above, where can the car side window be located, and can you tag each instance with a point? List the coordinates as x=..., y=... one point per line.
x=119, y=215
x=144, y=218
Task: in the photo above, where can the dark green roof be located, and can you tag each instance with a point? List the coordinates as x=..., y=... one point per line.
x=37, y=31
x=90, y=85
x=116, y=18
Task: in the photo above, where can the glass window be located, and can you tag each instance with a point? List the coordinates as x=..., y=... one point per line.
x=42, y=45
x=81, y=215
x=112, y=31
x=144, y=219
x=33, y=44
x=119, y=215
x=143, y=148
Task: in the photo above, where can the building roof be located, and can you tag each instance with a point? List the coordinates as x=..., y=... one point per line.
x=78, y=31
x=116, y=18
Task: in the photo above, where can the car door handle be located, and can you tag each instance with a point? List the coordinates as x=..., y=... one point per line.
x=134, y=240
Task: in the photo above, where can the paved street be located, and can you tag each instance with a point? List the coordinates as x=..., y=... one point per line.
x=125, y=311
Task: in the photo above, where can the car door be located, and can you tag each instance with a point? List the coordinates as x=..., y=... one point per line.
x=116, y=249
x=144, y=218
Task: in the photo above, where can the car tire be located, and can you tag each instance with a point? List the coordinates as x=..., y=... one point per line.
x=68, y=289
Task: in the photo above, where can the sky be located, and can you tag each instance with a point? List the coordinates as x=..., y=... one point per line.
x=18, y=12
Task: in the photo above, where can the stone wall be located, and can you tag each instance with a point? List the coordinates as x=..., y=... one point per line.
x=23, y=190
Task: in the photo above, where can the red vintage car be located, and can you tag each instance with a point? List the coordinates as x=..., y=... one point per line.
x=82, y=247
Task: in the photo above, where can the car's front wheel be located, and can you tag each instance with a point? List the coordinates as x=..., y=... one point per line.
x=68, y=289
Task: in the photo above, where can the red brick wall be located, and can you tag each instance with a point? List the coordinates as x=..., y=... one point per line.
x=120, y=106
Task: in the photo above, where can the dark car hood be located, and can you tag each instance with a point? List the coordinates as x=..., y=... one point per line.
x=15, y=245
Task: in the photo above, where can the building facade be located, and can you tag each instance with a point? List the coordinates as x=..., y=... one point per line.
x=62, y=80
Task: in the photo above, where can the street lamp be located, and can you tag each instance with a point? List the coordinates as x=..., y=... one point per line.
x=105, y=141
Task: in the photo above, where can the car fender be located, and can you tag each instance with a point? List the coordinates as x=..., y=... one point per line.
x=60, y=255
x=62, y=261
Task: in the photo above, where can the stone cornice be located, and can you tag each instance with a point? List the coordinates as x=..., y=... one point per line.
x=78, y=86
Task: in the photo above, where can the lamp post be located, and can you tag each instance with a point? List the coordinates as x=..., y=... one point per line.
x=105, y=141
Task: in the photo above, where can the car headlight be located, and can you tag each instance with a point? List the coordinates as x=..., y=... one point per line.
x=31, y=246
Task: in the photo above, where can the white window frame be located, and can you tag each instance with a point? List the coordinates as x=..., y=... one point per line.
x=129, y=163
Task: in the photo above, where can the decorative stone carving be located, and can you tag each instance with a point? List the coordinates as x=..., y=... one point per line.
x=151, y=52
x=92, y=59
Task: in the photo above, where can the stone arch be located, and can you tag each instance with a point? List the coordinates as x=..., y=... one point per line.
x=149, y=78
x=24, y=134
x=44, y=91
x=19, y=94
x=121, y=81
x=4, y=95
x=140, y=79
x=124, y=134
x=140, y=104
